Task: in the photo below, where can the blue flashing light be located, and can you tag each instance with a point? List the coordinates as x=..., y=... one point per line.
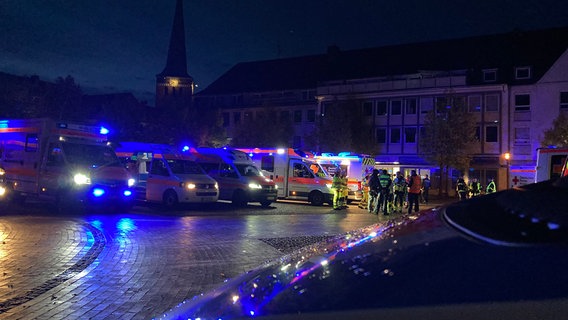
x=127, y=193
x=104, y=130
x=3, y=124
x=185, y=148
x=98, y=192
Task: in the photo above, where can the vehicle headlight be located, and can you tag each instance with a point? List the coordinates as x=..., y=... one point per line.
x=2, y=172
x=131, y=182
x=255, y=186
x=2, y=191
x=80, y=178
x=217, y=186
x=190, y=185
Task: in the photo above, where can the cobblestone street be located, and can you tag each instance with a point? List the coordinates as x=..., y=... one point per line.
x=138, y=265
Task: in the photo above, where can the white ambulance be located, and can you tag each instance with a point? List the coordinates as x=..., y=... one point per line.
x=167, y=176
x=66, y=163
x=549, y=163
x=356, y=166
x=298, y=177
x=240, y=181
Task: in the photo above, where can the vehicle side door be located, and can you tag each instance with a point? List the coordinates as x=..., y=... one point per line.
x=158, y=178
x=300, y=179
x=53, y=173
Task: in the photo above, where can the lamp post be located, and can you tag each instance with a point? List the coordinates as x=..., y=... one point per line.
x=507, y=157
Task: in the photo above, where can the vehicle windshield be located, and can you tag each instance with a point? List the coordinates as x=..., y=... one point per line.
x=180, y=166
x=317, y=169
x=92, y=155
x=248, y=170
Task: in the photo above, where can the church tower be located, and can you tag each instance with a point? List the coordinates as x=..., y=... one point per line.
x=174, y=86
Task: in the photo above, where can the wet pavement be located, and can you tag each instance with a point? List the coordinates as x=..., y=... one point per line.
x=139, y=265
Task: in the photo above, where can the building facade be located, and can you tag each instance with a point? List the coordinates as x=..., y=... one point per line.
x=514, y=85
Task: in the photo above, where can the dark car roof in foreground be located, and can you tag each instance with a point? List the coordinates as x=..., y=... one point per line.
x=498, y=256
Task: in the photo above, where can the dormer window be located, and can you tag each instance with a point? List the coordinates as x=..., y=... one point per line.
x=490, y=75
x=522, y=73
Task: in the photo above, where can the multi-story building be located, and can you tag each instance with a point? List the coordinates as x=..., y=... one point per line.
x=514, y=85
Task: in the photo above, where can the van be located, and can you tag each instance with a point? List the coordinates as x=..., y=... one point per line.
x=167, y=176
x=240, y=181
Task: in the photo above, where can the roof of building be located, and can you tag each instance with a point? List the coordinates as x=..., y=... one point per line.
x=537, y=49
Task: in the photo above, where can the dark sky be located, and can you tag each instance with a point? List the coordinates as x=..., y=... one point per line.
x=120, y=45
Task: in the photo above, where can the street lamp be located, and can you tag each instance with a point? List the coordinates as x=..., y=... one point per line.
x=507, y=157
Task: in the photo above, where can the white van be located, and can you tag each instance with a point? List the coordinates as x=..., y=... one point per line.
x=240, y=181
x=167, y=176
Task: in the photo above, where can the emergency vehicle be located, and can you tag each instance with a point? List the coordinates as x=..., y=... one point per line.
x=298, y=177
x=165, y=175
x=240, y=181
x=355, y=165
x=66, y=163
x=549, y=163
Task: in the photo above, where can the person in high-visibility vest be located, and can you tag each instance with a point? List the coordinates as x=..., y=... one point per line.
x=491, y=187
x=365, y=187
x=385, y=182
x=400, y=189
x=474, y=188
x=461, y=188
x=336, y=189
x=344, y=190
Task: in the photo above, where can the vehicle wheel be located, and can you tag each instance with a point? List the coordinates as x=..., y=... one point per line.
x=316, y=198
x=239, y=198
x=170, y=199
x=265, y=203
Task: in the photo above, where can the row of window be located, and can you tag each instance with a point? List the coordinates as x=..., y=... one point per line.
x=521, y=73
x=296, y=116
x=409, y=134
x=411, y=106
x=523, y=102
x=407, y=106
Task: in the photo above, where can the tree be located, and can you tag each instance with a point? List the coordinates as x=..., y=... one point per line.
x=65, y=102
x=267, y=129
x=343, y=127
x=558, y=134
x=449, y=132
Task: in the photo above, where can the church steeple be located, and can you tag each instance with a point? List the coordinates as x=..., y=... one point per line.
x=174, y=86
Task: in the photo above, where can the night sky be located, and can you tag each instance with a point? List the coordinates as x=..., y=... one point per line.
x=120, y=45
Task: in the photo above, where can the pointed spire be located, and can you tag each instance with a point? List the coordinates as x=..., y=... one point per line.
x=176, y=64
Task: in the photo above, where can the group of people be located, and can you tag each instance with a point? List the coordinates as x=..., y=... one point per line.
x=474, y=188
x=383, y=194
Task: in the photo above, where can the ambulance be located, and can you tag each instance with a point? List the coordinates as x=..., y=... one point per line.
x=297, y=175
x=549, y=163
x=66, y=163
x=165, y=175
x=356, y=166
x=240, y=181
